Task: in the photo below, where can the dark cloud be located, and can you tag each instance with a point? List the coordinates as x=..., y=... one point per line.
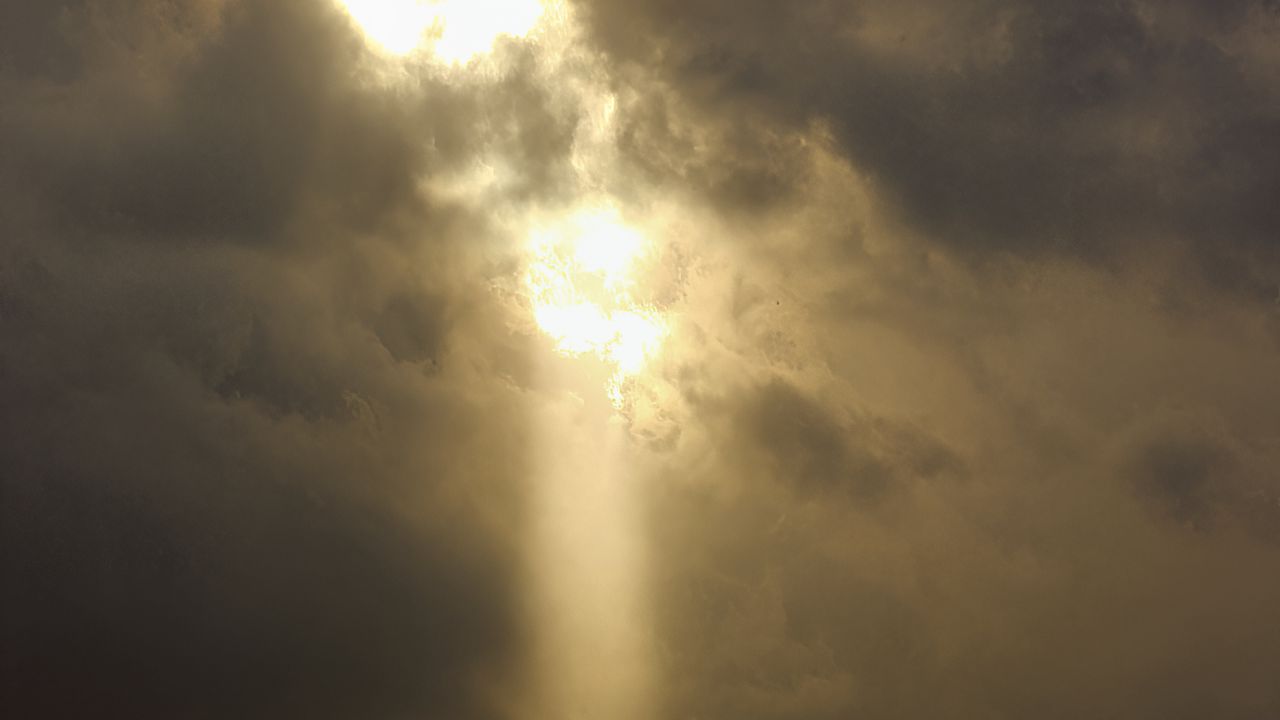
x=235, y=474
x=1179, y=477
x=996, y=126
x=1202, y=481
x=790, y=437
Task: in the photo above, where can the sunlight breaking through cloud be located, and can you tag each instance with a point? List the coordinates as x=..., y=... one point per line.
x=454, y=31
x=581, y=279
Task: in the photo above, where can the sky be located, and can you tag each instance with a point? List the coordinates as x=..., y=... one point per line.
x=639, y=359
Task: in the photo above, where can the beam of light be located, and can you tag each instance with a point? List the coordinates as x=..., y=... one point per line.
x=584, y=278
x=581, y=279
x=454, y=31
x=589, y=598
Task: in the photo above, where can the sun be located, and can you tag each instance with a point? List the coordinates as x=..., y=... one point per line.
x=452, y=30
x=582, y=282
x=582, y=269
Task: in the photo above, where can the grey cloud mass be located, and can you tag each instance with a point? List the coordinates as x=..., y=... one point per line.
x=1025, y=127
x=234, y=476
x=971, y=408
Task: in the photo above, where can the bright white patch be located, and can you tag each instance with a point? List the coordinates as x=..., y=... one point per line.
x=471, y=27
x=605, y=246
x=397, y=26
x=581, y=281
x=454, y=30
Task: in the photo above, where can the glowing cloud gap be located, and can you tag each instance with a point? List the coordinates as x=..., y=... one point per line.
x=454, y=30
x=582, y=285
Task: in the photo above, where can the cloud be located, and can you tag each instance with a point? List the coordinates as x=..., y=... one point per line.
x=246, y=468
x=1016, y=127
x=967, y=407
x=978, y=406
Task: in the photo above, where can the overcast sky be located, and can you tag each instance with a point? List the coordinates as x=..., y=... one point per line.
x=967, y=403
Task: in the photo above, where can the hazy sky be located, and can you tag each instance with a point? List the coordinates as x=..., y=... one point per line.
x=940, y=377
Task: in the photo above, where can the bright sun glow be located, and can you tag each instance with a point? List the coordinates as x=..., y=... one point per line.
x=581, y=280
x=582, y=269
x=454, y=30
